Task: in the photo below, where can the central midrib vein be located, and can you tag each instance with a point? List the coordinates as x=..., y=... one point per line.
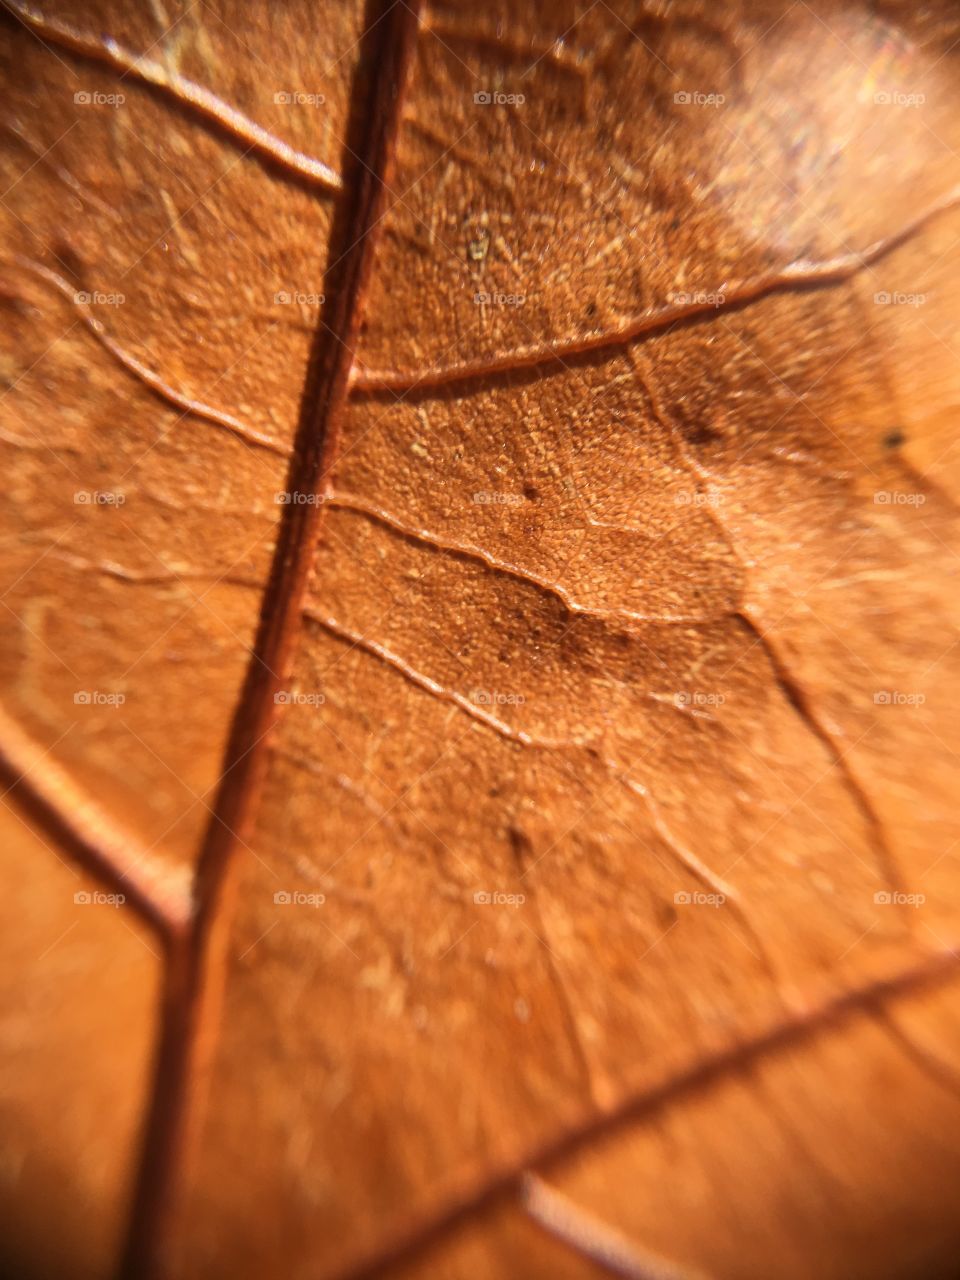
x=194, y=975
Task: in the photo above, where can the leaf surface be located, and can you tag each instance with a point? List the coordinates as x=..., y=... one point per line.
x=547, y=812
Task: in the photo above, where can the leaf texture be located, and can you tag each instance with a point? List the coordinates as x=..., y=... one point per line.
x=479, y=584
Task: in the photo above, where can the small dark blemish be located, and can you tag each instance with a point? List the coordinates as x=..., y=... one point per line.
x=894, y=439
x=531, y=493
x=701, y=433
x=69, y=259
x=520, y=843
x=666, y=914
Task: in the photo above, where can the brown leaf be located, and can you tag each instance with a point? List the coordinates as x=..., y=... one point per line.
x=478, y=585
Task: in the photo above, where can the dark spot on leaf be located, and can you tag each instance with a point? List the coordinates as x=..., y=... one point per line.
x=69, y=260
x=701, y=433
x=666, y=913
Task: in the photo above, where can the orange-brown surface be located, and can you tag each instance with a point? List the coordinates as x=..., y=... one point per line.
x=479, y=640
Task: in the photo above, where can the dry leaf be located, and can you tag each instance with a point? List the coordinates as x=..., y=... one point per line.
x=480, y=640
